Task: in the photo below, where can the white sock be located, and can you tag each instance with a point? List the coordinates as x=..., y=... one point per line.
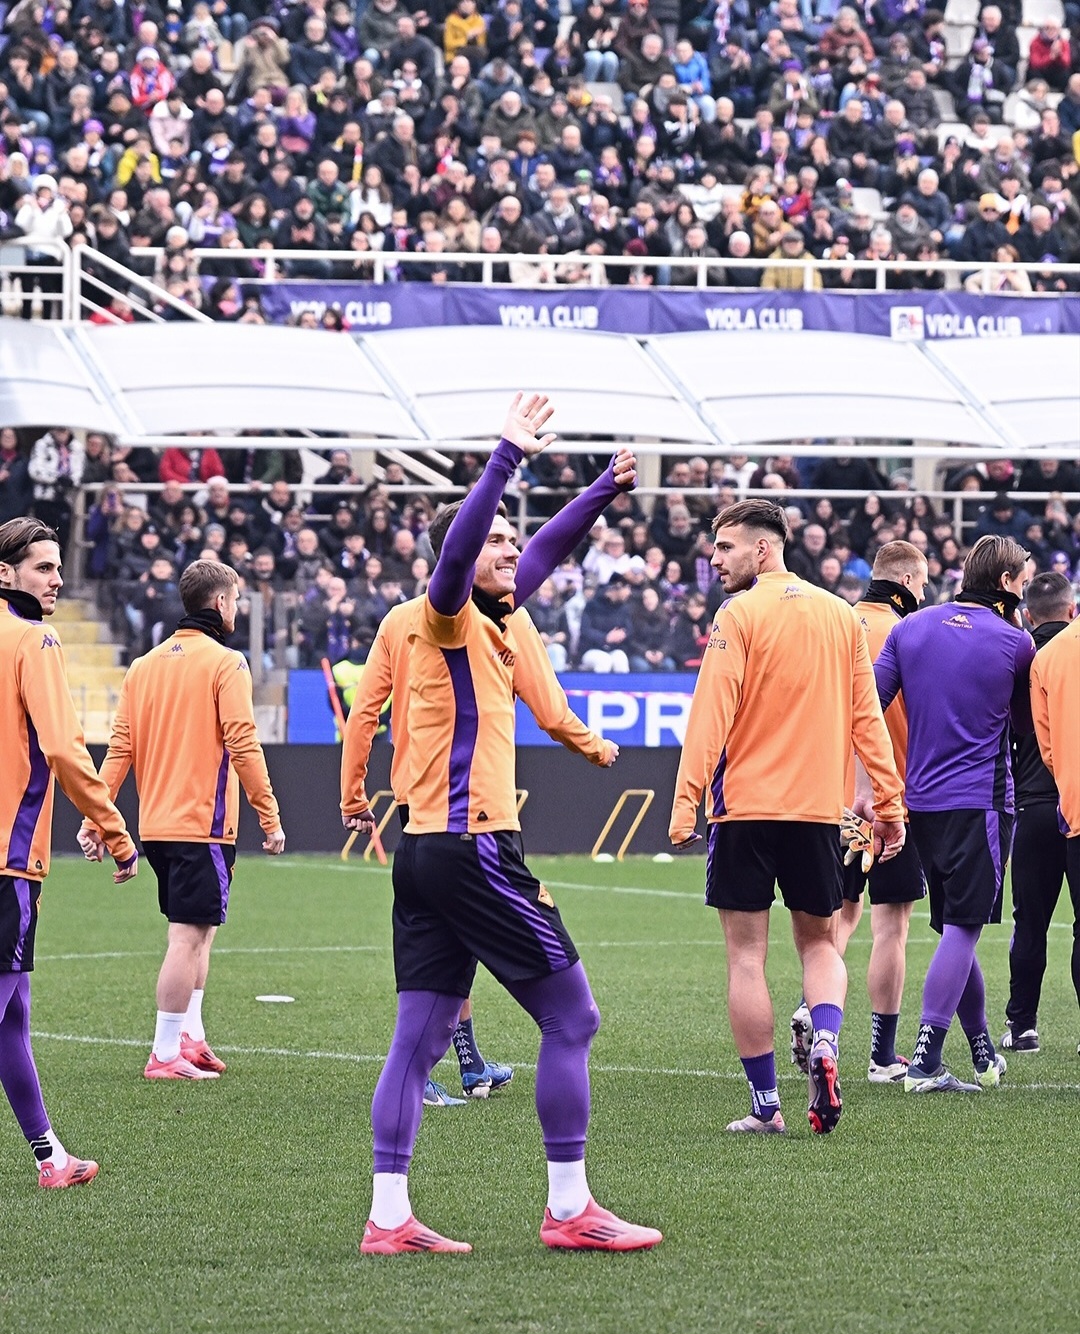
x=390, y=1205
x=58, y=1155
x=167, y=1035
x=568, y=1189
x=193, y=1024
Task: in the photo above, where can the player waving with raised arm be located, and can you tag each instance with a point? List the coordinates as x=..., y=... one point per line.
x=462, y=891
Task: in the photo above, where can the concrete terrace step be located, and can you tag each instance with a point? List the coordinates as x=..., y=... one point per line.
x=91, y=655
x=83, y=632
x=74, y=609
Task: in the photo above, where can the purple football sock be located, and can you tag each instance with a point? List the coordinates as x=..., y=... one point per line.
x=425, y=1024
x=948, y=974
x=827, y=1019
x=971, y=1007
x=566, y=1014
x=18, y=1073
x=761, y=1076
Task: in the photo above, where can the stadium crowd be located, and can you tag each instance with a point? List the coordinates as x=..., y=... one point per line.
x=638, y=595
x=676, y=131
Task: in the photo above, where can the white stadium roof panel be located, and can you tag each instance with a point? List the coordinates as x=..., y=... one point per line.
x=199, y=377
x=457, y=382
x=1032, y=385
x=44, y=381
x=771, y=386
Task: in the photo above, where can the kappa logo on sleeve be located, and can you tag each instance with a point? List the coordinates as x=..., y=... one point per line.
x=242, y=666
x=49, y=640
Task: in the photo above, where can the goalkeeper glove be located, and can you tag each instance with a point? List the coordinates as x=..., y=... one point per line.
x=857, y=836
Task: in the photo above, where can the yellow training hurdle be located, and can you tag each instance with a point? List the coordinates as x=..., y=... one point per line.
x=646, y=794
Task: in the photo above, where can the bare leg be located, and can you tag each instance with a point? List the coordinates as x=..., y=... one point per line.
x=750, y=1010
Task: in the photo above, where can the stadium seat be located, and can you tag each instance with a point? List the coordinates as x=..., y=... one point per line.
x=865, y=199
x=611, y=90
x=962, y=11
x=947, y=128
x=1036, y=12
x=1024, y=38
x=943, y=99
x=958, y=39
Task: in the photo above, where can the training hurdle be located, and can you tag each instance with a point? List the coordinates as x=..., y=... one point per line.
x=646, y=795
x=375, y=841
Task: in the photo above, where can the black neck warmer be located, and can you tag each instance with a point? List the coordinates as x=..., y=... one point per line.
x=208, y=621
x=25, y=604
x=1000, y=602
x=886, y=591
x=492, y=607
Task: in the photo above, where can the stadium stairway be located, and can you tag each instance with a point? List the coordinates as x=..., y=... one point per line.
x=94, y=664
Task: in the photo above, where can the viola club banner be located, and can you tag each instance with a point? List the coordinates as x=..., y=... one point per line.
x=368, y=307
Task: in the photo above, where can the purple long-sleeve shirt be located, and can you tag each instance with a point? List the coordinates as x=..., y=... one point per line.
x=963, y=672
x=451, y=582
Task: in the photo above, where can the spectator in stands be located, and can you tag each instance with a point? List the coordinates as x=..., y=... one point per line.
x=797, y=272
x=1050, y=55
x=1001, y=40
x=547, y=613
x=55, y=468
x=16, y=487
x=983, y=237
x=804, y=558
x=607, y=629
x=690, y=632
x=981, y=83
x=194, y=464
x=650, y=633
x=1001, y=518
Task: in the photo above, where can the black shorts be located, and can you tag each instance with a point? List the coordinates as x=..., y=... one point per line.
x=18, y=923
x=193, y=880
x=899, y=880
x=964, y=854
x=748, y=857
x=459, y=898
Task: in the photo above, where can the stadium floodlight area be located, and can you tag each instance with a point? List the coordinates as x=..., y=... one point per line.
x=448, y=387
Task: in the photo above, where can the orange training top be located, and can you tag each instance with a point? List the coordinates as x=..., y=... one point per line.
x=386, y=672
x=186, y=723
x=786, y=687
x=877, y=619
x=40, y=737
x=1055, y=710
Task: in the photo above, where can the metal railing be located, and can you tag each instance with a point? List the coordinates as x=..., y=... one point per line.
x=379, y=267
x=80, y=266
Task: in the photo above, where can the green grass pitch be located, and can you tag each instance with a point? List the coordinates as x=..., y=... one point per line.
x=235, y=1206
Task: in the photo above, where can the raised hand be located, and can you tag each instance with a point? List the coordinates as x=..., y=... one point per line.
x=624, y=466
x=524, y=422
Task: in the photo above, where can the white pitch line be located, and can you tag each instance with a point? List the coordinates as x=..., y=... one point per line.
x=364, y=1058
x=713, y=943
